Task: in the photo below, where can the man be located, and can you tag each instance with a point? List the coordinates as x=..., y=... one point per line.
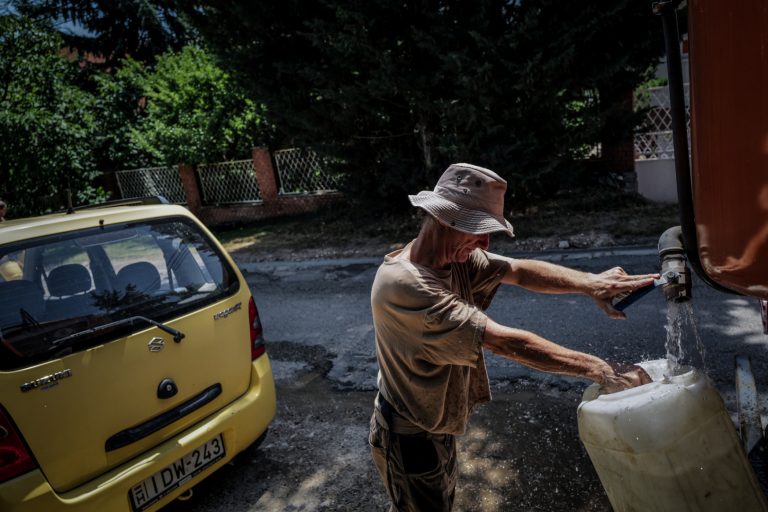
x=428, y=302
x=3, y=211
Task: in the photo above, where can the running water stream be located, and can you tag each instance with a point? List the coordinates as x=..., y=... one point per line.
x=684, y=347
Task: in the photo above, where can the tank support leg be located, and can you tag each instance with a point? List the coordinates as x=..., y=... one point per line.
x=750, y=424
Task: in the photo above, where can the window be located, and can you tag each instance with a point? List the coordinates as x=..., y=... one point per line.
x=68, y=292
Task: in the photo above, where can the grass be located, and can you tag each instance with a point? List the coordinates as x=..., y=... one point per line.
x=620, y=218
x=331, y=226
x=623, y=216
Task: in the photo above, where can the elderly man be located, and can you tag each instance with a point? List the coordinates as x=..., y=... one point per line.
x=428, y=302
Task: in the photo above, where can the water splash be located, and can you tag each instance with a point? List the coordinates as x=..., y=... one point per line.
x=684, y=346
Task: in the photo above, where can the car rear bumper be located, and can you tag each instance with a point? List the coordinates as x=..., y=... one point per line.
x=240, y=423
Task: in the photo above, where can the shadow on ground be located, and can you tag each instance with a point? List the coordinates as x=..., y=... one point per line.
x=521, y=453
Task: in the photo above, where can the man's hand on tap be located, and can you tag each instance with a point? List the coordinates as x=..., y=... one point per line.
x=613, y=282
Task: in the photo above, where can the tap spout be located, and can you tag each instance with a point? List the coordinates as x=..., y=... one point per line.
x=674, y=269
x=675, y=280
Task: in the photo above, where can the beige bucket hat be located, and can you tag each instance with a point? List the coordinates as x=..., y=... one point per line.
x=467, y=198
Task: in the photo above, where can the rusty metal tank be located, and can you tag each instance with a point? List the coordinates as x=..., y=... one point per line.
x=728, y=45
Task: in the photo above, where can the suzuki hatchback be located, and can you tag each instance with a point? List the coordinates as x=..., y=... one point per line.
x=132, y=363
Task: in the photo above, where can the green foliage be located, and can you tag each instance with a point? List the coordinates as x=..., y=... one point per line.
x=184, y=109
x=46, y=122
x=113, y=30
x=389, y=91
x=642, y=96
x=62, y=122
x=399, y=89
x=119, y=110
x=194, y=113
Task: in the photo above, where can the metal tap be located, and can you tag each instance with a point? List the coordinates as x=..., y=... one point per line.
x=674, y=269
x=675, y=280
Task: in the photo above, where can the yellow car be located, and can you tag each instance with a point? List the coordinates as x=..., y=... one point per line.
x=132, y=363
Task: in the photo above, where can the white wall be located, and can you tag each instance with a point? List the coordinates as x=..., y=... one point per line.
x=656, y=180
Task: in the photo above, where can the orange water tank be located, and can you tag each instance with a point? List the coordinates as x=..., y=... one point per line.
x=728, y=44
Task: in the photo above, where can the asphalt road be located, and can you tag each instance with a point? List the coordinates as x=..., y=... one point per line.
x=522, y=451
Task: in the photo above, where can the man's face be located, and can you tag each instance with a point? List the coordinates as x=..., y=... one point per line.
x=460, y=245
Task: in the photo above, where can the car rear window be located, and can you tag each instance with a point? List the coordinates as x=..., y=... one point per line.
x=64, y=293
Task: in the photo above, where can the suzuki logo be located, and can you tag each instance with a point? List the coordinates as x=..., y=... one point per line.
x=156, y=344
x=46, y=382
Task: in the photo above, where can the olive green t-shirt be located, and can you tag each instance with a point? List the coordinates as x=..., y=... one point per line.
x=429, y=326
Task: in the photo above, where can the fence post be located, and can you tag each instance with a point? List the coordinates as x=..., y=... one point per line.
x=108, y=181
x=265, y=174
x=190, y=187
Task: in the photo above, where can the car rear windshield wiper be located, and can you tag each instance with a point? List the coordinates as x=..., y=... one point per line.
x=27, y=318
x=177, y=335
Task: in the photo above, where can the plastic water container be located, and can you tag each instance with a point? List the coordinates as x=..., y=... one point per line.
x=668, y=446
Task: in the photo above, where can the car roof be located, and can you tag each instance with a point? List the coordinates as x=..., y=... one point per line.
x=51, y=224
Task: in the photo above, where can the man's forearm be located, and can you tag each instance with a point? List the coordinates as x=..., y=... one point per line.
x=538, y=353
x=541, y=276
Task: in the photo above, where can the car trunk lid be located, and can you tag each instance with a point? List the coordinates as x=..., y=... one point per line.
x=91, y=411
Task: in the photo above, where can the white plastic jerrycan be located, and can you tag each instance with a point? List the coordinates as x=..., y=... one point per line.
x=668, y=446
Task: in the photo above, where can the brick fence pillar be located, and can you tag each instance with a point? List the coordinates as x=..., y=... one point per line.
x=190, y=187
x=265, y=174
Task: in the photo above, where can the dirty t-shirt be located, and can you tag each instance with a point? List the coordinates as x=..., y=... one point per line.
x=429, y=327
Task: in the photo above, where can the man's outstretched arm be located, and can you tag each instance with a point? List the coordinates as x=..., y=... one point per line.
x=538, y=353
x=544, y=277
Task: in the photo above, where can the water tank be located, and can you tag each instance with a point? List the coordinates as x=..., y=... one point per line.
x=668, y=446
x=729, y=141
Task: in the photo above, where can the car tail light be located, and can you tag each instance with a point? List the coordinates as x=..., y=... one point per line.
x=15, y=458
x=257, y=338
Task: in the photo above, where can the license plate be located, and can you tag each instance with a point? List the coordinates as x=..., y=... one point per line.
x=154, y=488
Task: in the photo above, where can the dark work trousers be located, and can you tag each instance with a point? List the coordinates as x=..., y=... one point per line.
x=419, y=470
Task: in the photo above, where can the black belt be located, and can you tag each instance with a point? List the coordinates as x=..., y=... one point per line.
x=387, y=411
x=394, y=421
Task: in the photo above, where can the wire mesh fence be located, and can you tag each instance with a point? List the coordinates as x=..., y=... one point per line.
x=302, y=171
x=229, y=182
x=653, y=141
x=151, y=181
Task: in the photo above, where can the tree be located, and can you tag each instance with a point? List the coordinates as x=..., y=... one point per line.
x=119, y=109
x=398, y=89
x=194, y=113
x=112, y=30
x=46, y=122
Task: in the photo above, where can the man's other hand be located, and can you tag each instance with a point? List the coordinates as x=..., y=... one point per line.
x=624, y=376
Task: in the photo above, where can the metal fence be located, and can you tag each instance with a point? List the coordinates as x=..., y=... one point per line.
x=302, y=171
x=229, y=182
x=151, y=181
x=654, y=139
